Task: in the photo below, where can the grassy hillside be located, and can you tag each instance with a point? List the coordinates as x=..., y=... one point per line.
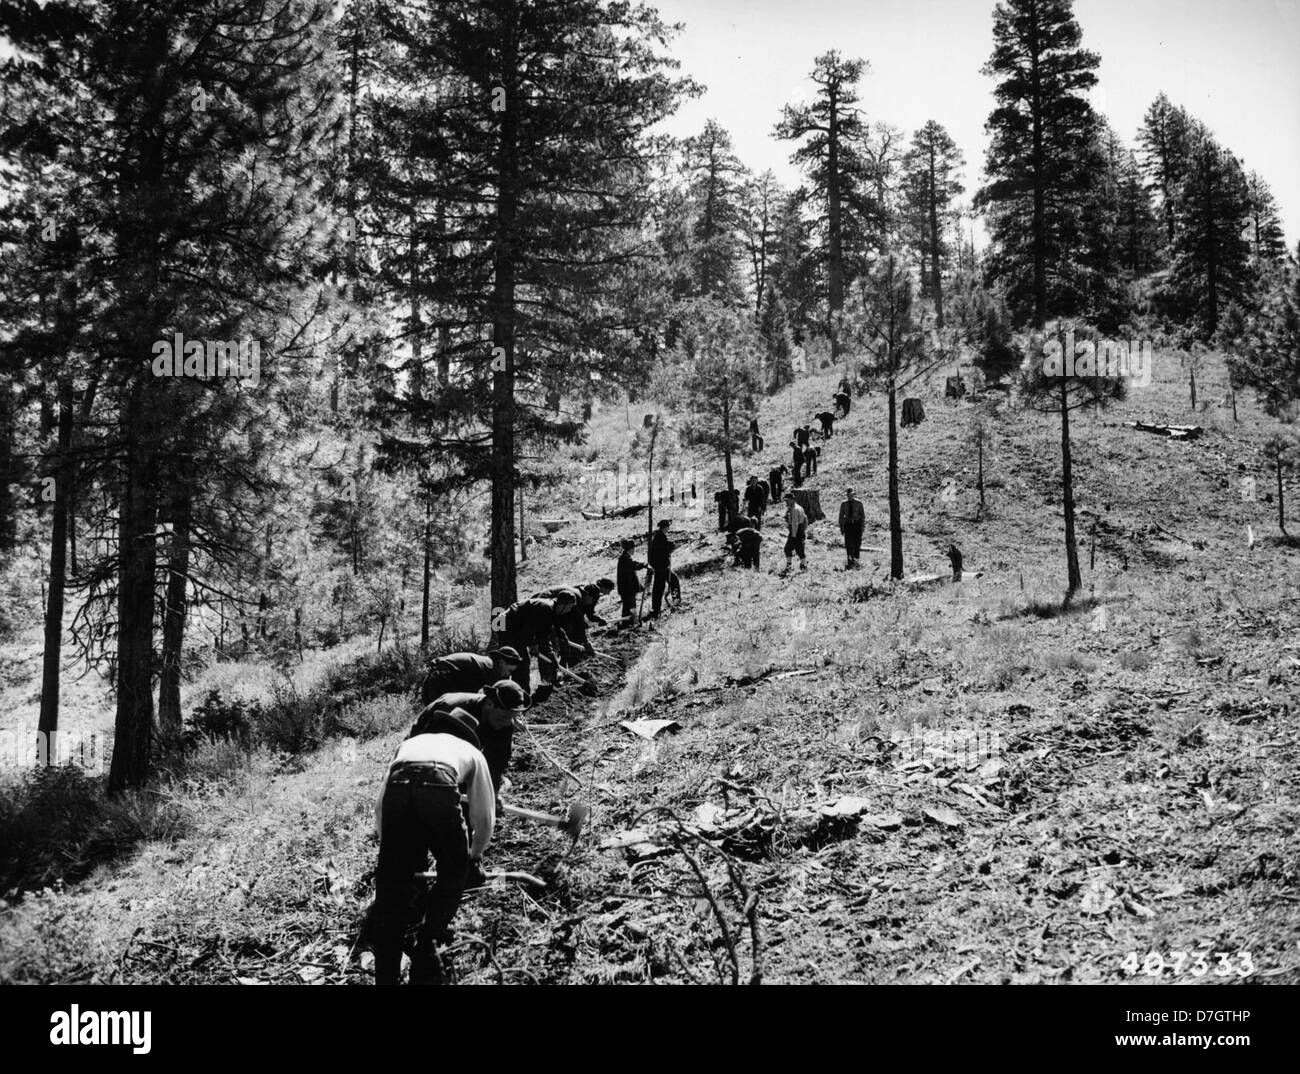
x=960, y=782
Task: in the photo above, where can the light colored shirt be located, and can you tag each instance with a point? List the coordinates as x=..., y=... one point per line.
x=471, y=774
x=795, y=517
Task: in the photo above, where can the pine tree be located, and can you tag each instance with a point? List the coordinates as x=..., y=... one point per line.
x=1267, y=242
x=1040, y=161
x=1165, y=141
x=715, y=183
x=835, y=155
x=1264, y=344
x=885, y=324
x=1210, y=256
x=930, y=184
x=1059, y=374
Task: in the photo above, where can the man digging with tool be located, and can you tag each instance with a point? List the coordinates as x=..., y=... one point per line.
x=464, y=673
x=419, y=812
x=495, y=710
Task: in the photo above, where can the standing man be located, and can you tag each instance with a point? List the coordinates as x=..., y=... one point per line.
x=811, y=457
x=755, y=440
x=796, y=460
x=755, y=501
x=853, y=518
x=629, y=585
x=797, y=526
x=527, y=626
x=464, y=673
x=495, y=709
x=775, y=483
x=418, y=812
x=660, y=558
x=803, y=435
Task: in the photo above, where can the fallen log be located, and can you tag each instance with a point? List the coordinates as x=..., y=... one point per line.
x=1174, y=432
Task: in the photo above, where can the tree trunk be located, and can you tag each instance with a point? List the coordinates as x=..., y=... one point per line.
x=895, y=512
x=503, y=589
x=1075, y=582
x=936, y=280
x=1281, y=502
x=523, y=550
x=49, y=717
x=1191, y=380
x=980, y=478
x=835, y=267
x=173, y=642
x=424, y=593
x=133, y=726
x=1039, y=222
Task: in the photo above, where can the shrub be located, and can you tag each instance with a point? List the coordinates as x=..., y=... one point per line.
x=56, y=824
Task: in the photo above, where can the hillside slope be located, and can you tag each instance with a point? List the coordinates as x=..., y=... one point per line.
x=961, y=782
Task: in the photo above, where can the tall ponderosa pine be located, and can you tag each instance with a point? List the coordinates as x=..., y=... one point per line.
x=715, y=184
x=1040, y=164
x=930, y=183
x=834, y=154
x=1165, y=142
x=1210, y=256
x=544, y=183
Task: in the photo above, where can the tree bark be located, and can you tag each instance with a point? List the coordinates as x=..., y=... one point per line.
x=170, y=720
x=48, y=723
x=503, y=587
x=895, y=512
x=1075, y=582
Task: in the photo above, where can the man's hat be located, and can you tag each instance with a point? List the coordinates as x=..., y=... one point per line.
x=507, y=653
x=458, y=722
x=663, y=524
x=789, y=495
x=605, y=584
x=508, y=694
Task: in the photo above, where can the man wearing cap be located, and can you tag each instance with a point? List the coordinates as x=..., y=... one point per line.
x=495, y=709
x=661, y=562
x=464, y=673
x=419, y=812
x=853, y=518
x=796, y=521
x=574, y=624
x=796, y=462
x=527, y=627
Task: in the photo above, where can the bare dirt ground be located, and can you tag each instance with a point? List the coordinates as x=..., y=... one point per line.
x=958, y=782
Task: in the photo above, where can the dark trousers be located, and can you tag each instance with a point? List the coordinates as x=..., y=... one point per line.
x=794, y=544
x=421, y=815
x=853, y=541
x=749, y=559
x=755, y=442
x=657, y=588
x=628, y=598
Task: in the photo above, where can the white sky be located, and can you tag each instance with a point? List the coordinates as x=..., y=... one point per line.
x=1234, y=64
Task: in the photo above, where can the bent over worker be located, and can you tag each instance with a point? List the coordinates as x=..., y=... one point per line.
x=418, y=813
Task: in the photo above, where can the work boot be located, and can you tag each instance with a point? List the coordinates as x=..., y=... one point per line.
x=803, y=564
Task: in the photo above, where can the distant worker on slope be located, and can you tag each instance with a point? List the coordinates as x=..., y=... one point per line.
x=796, y=521
x=853, y=518
x=660, y=557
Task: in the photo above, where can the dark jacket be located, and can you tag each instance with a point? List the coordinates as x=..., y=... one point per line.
x=661, y=552
x=531, y=621
x=457, y=673
x=626, y=578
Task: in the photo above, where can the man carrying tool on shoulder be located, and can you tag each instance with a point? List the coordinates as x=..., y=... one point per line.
x=419, y=812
